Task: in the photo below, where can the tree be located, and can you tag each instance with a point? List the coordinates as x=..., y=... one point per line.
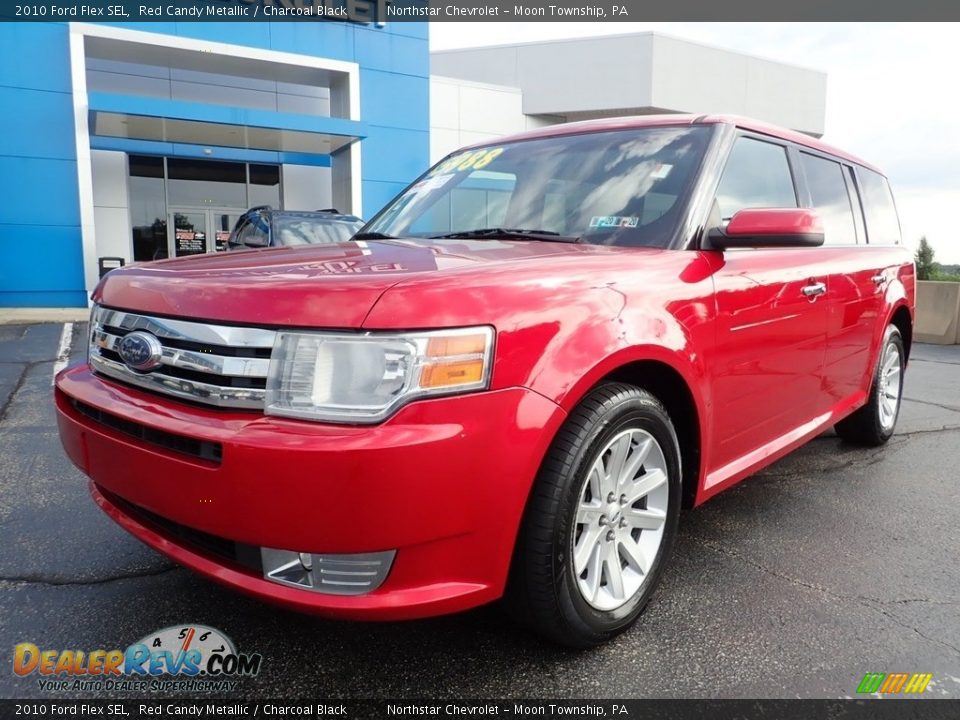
x=926, y=267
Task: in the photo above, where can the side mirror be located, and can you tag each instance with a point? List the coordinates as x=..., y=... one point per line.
x=770, y=227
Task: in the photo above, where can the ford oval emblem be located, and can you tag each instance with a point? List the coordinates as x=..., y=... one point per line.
x=140, y=350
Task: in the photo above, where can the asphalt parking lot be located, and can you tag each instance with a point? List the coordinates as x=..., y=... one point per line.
x=835, y=561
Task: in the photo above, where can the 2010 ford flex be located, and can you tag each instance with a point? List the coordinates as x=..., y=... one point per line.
x=509, y=382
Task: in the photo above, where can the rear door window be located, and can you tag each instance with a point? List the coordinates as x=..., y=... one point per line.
x=883, y=227
x=757, y=175
x=829, y=196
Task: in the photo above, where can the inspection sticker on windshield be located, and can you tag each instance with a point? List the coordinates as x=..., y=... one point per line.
x=613, y=221
x=660, y=171
x=432, y=183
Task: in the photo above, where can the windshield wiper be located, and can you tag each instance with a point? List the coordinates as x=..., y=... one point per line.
x=373, y=236
x=509, y=233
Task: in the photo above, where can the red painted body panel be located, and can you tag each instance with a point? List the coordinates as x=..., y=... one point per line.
x=445, y=481
x=319, y=286
x=770, y=344
x=773, y=221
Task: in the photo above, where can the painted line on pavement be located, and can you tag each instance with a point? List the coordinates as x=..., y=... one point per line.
x=63, y=350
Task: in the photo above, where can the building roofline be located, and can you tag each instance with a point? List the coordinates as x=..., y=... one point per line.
x=476, y=84
x=618, y=36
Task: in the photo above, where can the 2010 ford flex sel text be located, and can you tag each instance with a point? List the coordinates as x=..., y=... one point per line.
x=509, y=382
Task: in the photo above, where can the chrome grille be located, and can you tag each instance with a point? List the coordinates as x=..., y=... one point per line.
x=216, y=365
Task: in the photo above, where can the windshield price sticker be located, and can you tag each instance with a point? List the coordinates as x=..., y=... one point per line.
x=471, y=160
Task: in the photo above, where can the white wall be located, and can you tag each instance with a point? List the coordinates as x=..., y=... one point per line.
x=643, y=73
x=111, y=209
x=306, y=187
x=703, y=79
x=464, y=112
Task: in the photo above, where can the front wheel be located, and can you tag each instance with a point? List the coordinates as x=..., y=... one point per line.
x=601, y=519
x=873, y=424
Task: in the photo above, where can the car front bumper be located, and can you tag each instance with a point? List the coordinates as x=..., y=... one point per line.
x=443, y=483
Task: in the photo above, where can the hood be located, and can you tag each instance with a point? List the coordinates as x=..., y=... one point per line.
x=330, y=286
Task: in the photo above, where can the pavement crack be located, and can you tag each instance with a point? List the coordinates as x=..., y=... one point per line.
x=54, y=582
x=859, y=460
x=937, y=362
x=950, y=408
x=941, y=429
x=907, y=626
x=18, y=386
x=13, y=392
x=721, y=550
x=862, y=600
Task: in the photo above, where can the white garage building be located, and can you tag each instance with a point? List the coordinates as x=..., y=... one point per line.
x=481, y=93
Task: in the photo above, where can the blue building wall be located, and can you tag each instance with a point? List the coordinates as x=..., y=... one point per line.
x=41, y=261
x=41, y=257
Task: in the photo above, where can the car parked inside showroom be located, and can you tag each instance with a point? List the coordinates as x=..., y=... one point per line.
x=510, y=381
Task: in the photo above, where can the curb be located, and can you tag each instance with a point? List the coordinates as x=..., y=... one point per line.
x=31, y=316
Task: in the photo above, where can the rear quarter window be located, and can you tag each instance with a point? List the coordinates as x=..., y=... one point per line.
x=883, y=227
x=829, y=196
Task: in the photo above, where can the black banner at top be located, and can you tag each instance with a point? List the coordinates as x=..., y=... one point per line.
x=379, y=12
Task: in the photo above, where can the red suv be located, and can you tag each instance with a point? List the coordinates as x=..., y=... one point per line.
x=509, y=382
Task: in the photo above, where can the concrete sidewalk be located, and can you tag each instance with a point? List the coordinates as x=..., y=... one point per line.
x=31, y=316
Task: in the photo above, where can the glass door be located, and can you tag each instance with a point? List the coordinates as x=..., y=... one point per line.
x=222, y=221
x=195, y=231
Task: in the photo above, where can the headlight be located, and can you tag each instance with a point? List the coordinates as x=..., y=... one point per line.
x=364, y=378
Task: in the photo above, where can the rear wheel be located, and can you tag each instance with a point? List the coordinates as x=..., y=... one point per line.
x=601, y=519
x=874, y=423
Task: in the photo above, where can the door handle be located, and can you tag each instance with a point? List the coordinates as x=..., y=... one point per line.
x=879, y=279
x=814, y=290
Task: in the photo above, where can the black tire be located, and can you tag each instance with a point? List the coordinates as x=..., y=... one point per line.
x=865, y=426
x=543, y=592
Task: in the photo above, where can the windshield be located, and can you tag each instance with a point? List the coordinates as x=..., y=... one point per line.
x=624, y=187
x=298, y=230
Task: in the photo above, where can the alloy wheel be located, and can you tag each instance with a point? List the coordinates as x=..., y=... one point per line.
x=619, y=522
x=888, y=393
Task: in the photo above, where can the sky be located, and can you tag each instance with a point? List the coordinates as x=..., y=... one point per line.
x=893, y=95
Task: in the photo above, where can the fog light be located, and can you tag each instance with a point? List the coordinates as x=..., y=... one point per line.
x=353, y=574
